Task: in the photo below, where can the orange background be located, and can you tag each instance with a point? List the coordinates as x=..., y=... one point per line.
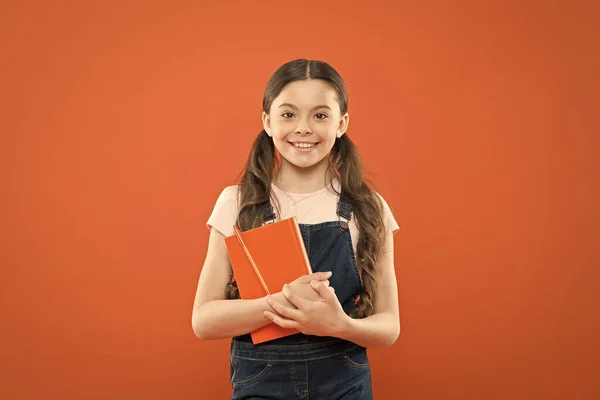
x=121, y=125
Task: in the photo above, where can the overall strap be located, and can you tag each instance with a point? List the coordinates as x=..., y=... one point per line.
x=344, y=210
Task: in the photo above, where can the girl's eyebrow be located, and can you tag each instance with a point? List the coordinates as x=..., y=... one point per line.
x=295, y=108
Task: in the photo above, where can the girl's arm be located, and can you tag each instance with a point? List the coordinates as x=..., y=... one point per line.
x=213, y=316
x=325, y=316
x=382, y=328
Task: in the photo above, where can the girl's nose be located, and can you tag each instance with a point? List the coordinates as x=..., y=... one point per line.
x=303, y=129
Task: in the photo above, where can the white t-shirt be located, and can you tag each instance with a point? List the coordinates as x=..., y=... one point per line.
x=308, y=208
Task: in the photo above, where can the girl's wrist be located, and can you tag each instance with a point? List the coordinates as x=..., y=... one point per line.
x=266, y=305
x=345, y=328
x=279, y=297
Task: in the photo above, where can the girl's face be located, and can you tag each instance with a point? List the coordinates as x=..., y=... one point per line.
x=304, y=121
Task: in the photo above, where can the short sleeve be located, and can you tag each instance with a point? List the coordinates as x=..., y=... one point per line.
x=225, y=211
x=391, y=226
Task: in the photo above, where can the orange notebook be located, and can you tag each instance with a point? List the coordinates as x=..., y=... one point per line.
x=278, y=252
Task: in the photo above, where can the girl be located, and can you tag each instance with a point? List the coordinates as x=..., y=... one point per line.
x=303, y=164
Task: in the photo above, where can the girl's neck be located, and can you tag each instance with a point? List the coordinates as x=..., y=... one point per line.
x=293, y=179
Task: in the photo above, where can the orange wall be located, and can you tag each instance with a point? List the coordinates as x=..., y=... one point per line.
x=121, y=125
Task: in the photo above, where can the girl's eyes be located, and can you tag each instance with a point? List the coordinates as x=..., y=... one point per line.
x=289, y=115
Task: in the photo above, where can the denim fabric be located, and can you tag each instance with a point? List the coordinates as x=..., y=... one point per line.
x=330, y=370
x=304, y=366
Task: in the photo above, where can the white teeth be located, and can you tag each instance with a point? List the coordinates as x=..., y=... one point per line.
x=304, y=145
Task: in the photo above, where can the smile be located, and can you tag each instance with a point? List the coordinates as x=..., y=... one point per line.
x=305, y=145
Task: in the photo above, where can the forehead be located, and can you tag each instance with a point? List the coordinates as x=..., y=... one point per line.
x=307, y=93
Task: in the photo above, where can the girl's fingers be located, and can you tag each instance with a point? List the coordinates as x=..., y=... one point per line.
x=282, y=322
x=283, y=310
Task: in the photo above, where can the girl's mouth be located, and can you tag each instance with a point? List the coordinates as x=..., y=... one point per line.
x=304, y=147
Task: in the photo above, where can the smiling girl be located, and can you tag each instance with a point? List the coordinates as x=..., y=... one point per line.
x=303, y=164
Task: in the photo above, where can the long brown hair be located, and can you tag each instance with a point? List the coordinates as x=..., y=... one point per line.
x=345, y=165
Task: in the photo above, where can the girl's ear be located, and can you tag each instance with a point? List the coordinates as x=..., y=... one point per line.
x=266, y=120
x=343, y=126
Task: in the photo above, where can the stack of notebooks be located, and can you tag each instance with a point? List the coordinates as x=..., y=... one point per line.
x=263, y=260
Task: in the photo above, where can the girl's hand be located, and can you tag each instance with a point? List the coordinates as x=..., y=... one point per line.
x=322, y=317
x=302, y=288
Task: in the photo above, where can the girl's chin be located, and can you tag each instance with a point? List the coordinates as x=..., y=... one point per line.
x=302, y=162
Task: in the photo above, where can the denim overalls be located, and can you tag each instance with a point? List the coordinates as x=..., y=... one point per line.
x=304, y=366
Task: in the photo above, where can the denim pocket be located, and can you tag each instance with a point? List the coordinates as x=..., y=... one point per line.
x=246, y=372
x=357, y=358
